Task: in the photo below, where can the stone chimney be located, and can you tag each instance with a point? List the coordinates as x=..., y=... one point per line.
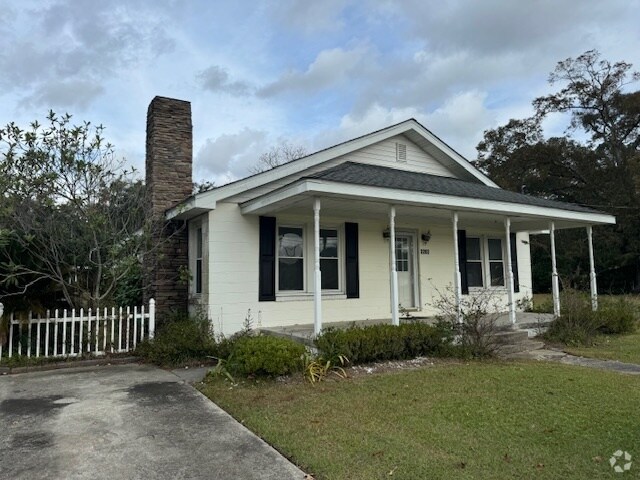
x=168, y=168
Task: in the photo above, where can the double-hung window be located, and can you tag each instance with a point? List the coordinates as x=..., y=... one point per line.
x=198, y=261
x=292, y=264
x=485, y=262
x=329, y=262
x=290, y=258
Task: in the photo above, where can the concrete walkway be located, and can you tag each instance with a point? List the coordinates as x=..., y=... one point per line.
x=124, y=422
x=568, y=359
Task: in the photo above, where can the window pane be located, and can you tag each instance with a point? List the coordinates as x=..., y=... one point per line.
x=497, y=274
x=199, y=276
x=329, y=243
x=290, y=274
x=495, y=249
x=329, y=269
x=474, y=274
x=199, y=243
x=473, y=249
x=290, y=242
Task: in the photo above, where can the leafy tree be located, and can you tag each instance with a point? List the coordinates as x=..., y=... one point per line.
x=602, y=171
x=278, y=155
x=73, y=219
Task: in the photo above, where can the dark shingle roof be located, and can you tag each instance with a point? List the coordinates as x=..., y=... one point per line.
x=386, y=177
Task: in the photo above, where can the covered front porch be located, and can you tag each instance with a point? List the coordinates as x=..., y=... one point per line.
x=480, y=230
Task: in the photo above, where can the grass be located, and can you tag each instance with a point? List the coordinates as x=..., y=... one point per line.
x=466, y=421
x=624, y=348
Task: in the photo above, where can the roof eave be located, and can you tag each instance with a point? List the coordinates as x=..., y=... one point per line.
x=309, y=187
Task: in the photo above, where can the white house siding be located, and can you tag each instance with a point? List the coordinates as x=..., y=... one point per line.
x=382, y=153
x=233, y=272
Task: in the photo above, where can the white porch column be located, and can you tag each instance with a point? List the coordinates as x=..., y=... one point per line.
x=457, y=280
x=555, y=287
x=317, y=276
x=510, y=286
x=592, y=271
x=395, y=320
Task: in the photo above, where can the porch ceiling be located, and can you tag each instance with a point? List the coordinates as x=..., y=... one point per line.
x=356, y=201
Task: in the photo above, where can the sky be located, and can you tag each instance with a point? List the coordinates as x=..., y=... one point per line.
x=309, y=73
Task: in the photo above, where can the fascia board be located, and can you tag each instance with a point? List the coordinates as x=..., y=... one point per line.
x=394, y=196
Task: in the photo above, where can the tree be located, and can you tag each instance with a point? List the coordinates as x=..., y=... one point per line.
x=278, y=155
x=73, y=218
x=602, y=171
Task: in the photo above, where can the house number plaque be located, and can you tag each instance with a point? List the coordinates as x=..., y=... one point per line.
x=424, y=251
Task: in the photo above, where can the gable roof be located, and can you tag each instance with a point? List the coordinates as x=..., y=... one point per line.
x=378, y=176
x=411, y=128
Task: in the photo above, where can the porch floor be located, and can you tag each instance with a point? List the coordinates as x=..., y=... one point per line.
x=529, y=322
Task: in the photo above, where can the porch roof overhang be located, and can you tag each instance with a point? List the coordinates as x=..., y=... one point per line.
x=345, y=189
x=190, y=208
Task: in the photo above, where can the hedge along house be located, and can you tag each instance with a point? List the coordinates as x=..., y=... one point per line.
x=367, y=229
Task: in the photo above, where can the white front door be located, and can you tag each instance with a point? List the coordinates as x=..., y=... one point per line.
x=405, y=266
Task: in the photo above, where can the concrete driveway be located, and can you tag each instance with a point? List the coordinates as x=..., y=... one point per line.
x=124, y=422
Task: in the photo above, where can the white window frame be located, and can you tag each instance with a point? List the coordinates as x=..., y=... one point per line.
x=340, y=258
x=304, y=259
x=194, y=228
x=485, y=262
x=199, y=259
x=307, y=262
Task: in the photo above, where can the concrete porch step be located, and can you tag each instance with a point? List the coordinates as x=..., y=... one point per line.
x=524, y=346
x=507, y=337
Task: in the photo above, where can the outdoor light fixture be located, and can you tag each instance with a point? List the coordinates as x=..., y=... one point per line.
x=386, y=233
x=426, y=236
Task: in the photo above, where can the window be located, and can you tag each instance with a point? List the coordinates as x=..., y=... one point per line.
x=474, y=262
x=290, y=258
x=496, y=265
x=485, y=264
x=199, y=260
x=329, y=262
x=402, y=254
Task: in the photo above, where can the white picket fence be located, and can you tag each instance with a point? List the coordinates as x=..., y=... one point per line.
x=73, y=333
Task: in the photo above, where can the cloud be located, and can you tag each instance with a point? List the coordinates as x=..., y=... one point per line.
x=229, y=156
x=330, y=68
x=64, y=94
x=311, y=17
x=216, y=79
x=65, y=43
x=459, y=121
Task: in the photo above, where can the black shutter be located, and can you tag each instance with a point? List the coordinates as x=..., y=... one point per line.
x=462, y=260
x=514, y=263
x=267, y=262
x=351, y=260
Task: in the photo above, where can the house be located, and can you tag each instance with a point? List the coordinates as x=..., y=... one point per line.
x=367, y=229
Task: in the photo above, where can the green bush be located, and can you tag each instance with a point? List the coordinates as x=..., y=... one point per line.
x=617, y=316
x=385, y=342
x=578, y=324
x=179, y=341
x=265, y=355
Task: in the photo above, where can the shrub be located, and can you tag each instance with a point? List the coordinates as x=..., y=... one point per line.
x=473, y=321
x=578, y=324
x=179, y=341
x=265, y=355
x=617, y=316
x=384, y=342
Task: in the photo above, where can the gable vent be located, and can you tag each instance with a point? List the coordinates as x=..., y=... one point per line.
x=401, y=152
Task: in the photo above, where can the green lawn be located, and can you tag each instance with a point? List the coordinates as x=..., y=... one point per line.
x=467, y=421
x=625, y=348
